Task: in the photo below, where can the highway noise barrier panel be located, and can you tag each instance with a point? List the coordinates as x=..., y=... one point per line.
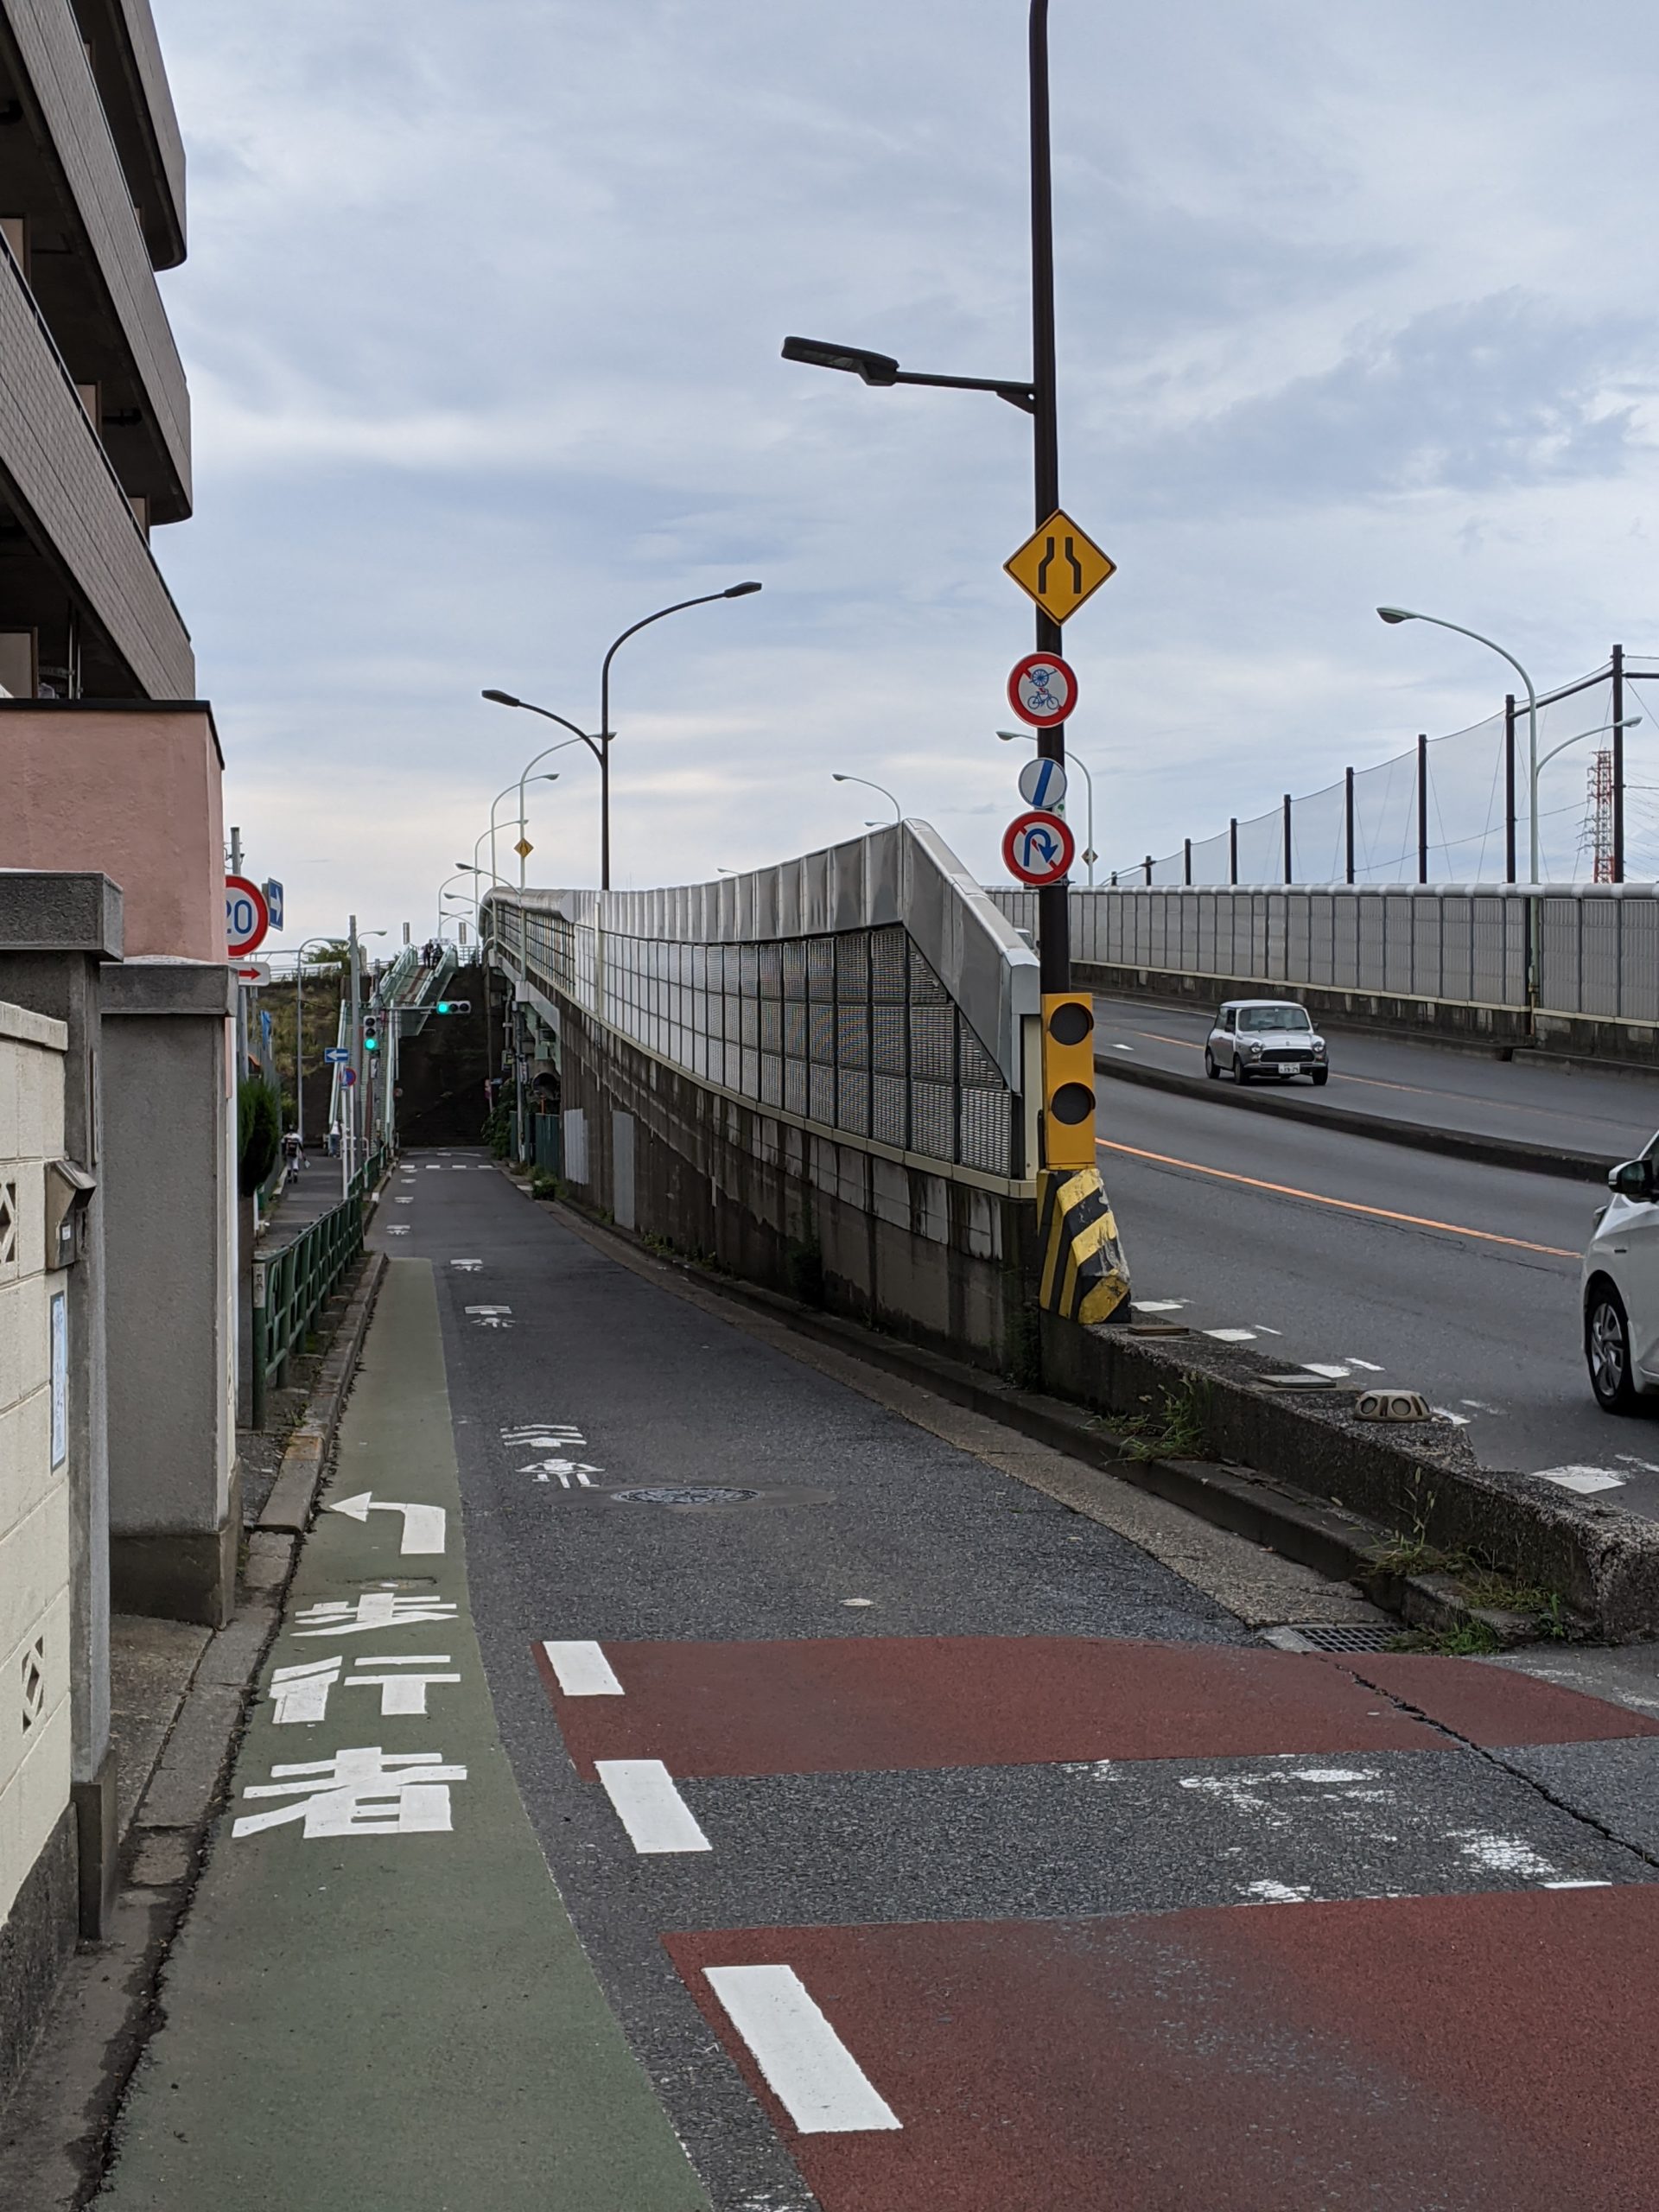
x=1085, y=1275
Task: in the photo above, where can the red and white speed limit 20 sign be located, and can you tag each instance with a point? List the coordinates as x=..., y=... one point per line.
x=1042, y=690
x=246, y=916
x=1038, y=849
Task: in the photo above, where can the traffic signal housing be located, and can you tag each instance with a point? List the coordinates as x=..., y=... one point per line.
x=1068, y=1080
x=453, y=1005
x=370, y=1032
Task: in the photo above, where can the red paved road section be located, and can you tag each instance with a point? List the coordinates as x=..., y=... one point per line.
x=873, y=1705
x=1492, y=1706
x=1482, y=2054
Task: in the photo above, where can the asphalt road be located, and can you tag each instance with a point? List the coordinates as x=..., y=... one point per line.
x=931, y=1843
x=1392, y=1265
x=1429, y=1085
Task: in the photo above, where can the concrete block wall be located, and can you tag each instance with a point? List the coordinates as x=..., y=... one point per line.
x=38, y=1913
x=931, y=1257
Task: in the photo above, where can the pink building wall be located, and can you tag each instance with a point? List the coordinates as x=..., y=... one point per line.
x=132, y=789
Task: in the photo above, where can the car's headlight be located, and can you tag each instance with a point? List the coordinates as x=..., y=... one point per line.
x=1255, y=1051
x=1319, y=1048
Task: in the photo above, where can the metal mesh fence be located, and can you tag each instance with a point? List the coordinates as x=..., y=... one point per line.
x=853, y=1030
x=1457, y=808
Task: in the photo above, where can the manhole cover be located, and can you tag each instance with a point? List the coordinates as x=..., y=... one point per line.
x=1327, y=1636
x=681, y=1494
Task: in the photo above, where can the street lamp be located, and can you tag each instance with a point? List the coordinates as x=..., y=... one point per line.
x=444, y=892
x=518, y=784
x=1036, y=398
x=1604, y=729
x=1405, y=614
x=1013, y=737
x=598, y=744
x=836, y=776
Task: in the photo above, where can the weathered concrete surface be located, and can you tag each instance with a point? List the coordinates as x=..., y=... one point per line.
x=1423, y=1483
x=935, y=1258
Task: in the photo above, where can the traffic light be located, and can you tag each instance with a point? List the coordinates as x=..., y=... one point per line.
x=1068, y=1080
x=370, y=1032
x=455, y=1006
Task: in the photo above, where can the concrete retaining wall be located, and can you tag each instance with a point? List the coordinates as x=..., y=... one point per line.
x=927, y=1255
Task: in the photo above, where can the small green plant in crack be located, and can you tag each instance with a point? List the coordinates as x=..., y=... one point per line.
x=1179, y=1431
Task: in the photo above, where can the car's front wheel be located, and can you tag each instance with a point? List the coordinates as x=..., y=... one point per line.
x=1210, y=1067
x=1321, y=1076
x=1607, y=1349
x=1241, y=1073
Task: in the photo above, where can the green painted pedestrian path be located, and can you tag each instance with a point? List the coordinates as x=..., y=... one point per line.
x=378, y=1998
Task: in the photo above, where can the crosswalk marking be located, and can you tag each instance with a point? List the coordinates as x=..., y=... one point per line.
x=658, y=1819
x=582, y=1670
x=808, y=2067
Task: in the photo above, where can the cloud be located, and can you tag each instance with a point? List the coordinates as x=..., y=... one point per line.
x=482, y=318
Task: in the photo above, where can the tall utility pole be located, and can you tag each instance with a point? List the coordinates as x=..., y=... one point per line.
x=1054, y=904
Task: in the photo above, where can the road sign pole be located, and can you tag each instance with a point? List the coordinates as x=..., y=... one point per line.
x=1053, y=907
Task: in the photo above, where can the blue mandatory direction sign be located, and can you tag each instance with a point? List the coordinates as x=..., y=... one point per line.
x=337, y=1055
x=273, y=892
x=1042, y=783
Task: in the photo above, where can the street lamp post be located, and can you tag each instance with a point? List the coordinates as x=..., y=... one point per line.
x=518, y=784
x=1036, y=398
x=836, y=776
x=1406, y=615
x=1604, y=729
x=599, y=743
x=444, y=894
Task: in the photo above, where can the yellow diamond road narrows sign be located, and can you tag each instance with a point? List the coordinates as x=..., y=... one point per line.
x=523, y=849
x=1059, y=565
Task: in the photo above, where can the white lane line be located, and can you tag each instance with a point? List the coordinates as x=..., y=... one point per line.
x=1628, y=1459
x=1575, y=1885
x=582, y=1670
x=1158, y=1304
x=1587, y=1481
x=1232, y=1336
x=807, y=2067
x=656, y=1816
x=1367, y=1366
x=1265, y=1331
x=1457, y=1421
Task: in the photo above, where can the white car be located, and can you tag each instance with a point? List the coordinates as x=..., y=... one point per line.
x=1265, y=1037
x=1621, y=1287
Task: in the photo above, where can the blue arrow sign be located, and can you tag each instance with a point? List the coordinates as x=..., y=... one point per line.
x=336, y=1055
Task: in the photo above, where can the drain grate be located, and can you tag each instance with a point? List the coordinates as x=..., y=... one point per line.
x=681, y=1494
x=1335, y=1636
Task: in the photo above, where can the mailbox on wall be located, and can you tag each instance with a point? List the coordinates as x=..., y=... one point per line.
x=69, y=1194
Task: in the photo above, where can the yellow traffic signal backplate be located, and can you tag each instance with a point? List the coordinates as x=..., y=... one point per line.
x=1060, y=566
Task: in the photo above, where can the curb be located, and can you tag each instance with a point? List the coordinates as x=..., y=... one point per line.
x=1451, y=1144
x=287, y=1509
x=1341, y=1545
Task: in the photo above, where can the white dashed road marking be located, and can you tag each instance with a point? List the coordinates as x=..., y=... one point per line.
x=1587, y=1481
x=582, y=1670
x=808, y=2067
x=1232, y=1336
x=658, y=1819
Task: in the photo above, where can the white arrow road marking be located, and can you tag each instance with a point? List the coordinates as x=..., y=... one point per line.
x=424, y=1526
x=808, y=2067
x=658, y=1819
x=399, y=1229
x=582, y=1670
x=1587, y=1481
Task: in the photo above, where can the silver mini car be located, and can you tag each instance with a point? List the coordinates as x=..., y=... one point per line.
x=1265, y=1037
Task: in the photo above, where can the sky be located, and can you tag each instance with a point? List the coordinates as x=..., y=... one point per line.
x=482, y=318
